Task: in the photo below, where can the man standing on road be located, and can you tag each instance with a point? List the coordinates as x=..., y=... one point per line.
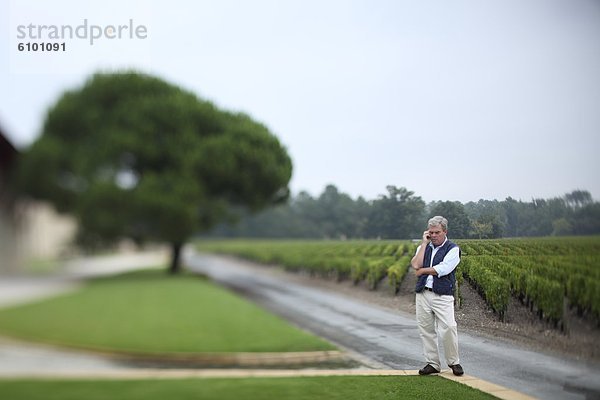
x=435, y=262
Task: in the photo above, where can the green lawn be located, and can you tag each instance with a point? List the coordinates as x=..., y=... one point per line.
x=148, y=311
x=342, y=388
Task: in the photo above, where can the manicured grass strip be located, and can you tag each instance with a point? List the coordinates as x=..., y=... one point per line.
x=342, y=388
x=148, y=311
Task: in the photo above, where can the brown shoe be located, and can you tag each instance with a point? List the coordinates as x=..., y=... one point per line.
x=428, y=370
x=456, y=369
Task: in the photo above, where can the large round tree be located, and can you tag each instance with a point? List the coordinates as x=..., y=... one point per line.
x=131, y=155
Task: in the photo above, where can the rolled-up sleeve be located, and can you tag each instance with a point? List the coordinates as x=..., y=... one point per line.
x=418, y=248
x=449, y=262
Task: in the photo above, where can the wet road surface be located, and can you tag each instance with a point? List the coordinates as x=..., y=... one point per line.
x=387, y=339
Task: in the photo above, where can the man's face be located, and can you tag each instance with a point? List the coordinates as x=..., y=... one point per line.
x=437, y=235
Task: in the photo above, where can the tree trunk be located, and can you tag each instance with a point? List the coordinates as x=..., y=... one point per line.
x=175, y=267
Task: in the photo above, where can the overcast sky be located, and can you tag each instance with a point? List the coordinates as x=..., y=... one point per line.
x=455, y=100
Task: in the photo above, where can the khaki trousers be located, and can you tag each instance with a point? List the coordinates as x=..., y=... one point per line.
x=436, y=313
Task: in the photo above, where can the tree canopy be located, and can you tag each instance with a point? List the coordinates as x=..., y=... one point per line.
x=131, y=155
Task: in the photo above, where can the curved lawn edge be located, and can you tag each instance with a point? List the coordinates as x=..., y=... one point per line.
x=204, y=360
x=235, y=359
x=146, y=313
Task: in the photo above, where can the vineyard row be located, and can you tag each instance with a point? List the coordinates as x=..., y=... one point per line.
x=548, y=274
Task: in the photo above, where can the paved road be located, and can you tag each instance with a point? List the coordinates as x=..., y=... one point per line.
x=390, y=339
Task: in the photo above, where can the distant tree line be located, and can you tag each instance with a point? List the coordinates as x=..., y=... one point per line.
x=400, y=214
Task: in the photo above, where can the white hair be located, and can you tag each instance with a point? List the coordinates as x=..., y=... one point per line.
x=438, y=220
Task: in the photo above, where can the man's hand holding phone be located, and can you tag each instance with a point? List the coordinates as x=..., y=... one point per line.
x=426, y=237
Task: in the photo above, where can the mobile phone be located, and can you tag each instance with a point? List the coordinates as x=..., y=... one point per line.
x=428, y=237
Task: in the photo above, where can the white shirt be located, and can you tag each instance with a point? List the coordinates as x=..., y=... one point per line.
x=447, y=265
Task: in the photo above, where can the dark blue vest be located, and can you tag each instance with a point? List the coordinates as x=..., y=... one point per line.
x=445, y=284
